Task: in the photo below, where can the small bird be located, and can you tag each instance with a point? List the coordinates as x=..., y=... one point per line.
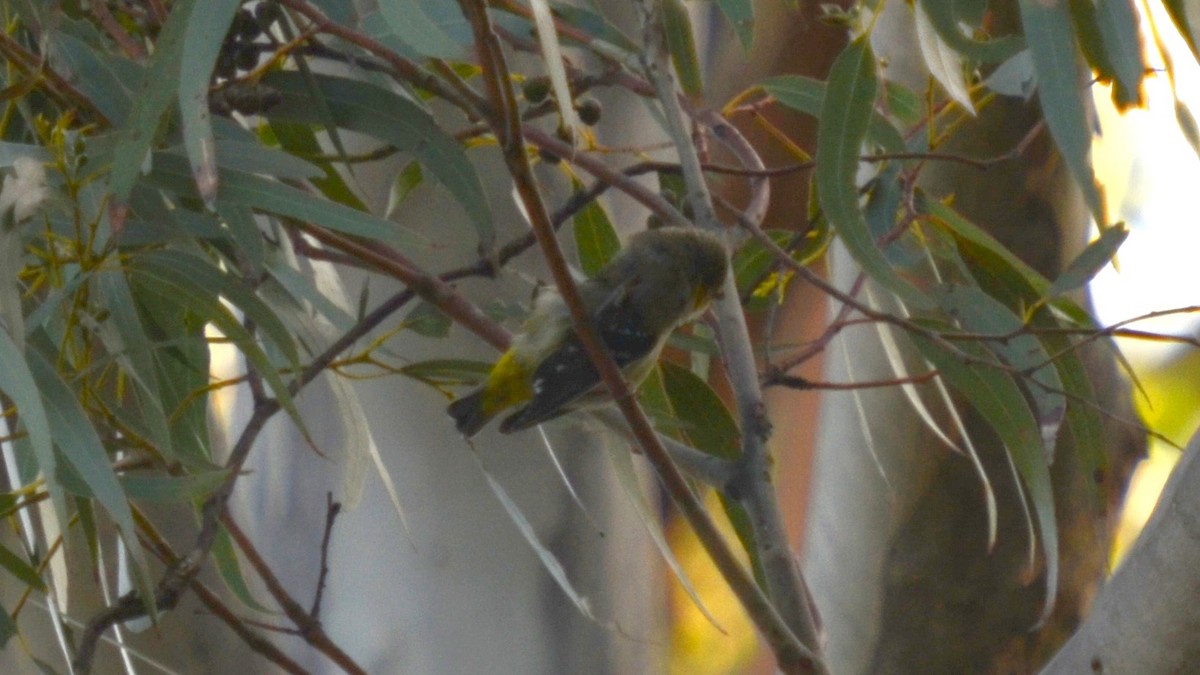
x=662, y=279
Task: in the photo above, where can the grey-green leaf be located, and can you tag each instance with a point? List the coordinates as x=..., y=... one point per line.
x=202, y=41
x=845, y=116
x=1061, y=90
x=396, y=120
x=151, y=99
x=996, y=397
x=945, y=20
x=682, y=44
x=413, y=25
x=740, y=15
x=1088, y=263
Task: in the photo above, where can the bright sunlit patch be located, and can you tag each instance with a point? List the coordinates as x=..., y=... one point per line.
x=1151, y=173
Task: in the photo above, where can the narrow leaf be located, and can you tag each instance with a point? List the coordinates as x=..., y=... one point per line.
x=549, y=561
x=409, y=22
x=945, y=63
x=845, y=116
x=1089, y=262
x=80, y=446
x=596, y=239
x=202, y=42
x=152, y=96
x=188, y=487
x=260, y=193
x=808, y=95
x=396, y=120
x=1061, y=91
x=945, y=20
x=740, y=15
x=998, y=399
x=682, y=44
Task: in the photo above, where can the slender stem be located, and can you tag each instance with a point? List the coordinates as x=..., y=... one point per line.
x=792, y=655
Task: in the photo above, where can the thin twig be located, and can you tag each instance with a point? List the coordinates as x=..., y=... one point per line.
x=310, y=627
x=332, y=509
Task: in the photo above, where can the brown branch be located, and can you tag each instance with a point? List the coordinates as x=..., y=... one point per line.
x=310, y=628
x=132, y=48
x=403, y=68
x=332, y=509
x=158, y=545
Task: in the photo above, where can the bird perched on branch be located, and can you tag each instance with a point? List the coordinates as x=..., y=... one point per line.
x=662, y=279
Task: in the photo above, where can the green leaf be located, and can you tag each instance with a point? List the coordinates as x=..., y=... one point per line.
x=997, y=398
x=1009, y=280
x=302, y=289
x=245, y=233
x=8, y=628
x=152, y=97
x=903, y=103
x=189, y=282
x=965, y=229
x=702, y=416
x=946, y=20
x=80, y=446
x=172, y=488
x=19, y=383
x=1111, y=27
x=244, y=189
x=682, y=44
x=224, y=554
x=300, y=139
x=409, y=178
x=22, y=570
x=1178, y=9
x=396, y=120
x=134, y=354
x=426, y=319
x=1089, y=262
x=740, y=15
x=438, y=372
x=1060, y=90
x=202, y=42
x=409, y=22
x=845, y=115
x=93, y=72
x=808, y=96
x=198, y=273
x=596, y=239
x=250, y=157
x=980, y=313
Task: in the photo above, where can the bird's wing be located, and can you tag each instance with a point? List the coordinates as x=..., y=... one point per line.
x=568, y=373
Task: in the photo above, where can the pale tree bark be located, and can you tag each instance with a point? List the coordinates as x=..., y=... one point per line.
x=897, y=549
x=1145, y=619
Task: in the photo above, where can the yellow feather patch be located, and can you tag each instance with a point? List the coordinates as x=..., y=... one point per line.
x=507, y=384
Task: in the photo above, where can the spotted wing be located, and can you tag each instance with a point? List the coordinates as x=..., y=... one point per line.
x=568, y=373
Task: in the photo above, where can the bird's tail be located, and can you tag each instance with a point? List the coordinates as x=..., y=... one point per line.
x=469, y=413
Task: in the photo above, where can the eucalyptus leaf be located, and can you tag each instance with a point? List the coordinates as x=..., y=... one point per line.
x=944, y=18
x=396, y=120
x=845, y=116
x=202, y=42
x=80, y=446
x=996, y=396
x=1061, y=91
x=740, y=15
x=153, y=95
x=1090, y=261
x=677, y=26
x=808, y=96
x=596, y=239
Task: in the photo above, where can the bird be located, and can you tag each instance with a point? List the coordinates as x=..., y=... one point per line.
x=661, y=279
